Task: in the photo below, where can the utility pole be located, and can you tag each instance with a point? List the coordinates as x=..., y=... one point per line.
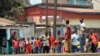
x=46, y=16
x=55, y=16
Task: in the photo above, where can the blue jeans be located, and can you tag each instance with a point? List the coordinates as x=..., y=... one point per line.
x=36, y=49
x=74, y=48
x=82, y=42
x=59, y=49
x=81, y=47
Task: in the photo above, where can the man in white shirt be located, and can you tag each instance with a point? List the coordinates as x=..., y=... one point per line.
x=82, y=35
x=82, y=25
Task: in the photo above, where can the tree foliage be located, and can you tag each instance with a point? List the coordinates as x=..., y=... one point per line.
x=11, y=9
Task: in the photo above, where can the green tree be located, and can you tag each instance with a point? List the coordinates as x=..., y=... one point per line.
x=11, y=9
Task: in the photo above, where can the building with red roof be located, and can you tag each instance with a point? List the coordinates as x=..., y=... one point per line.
x=72, y=11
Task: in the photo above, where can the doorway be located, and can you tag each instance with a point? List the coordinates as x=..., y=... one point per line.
x=2, y=36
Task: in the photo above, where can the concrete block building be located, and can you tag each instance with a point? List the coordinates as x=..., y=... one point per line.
x=73, y=10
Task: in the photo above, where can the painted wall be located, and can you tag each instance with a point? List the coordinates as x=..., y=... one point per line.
x=28, y=32
x=9, y=31
x=90, y=23
x=96, y=4
x=23, y=31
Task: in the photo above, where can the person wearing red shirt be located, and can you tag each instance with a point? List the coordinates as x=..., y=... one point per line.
x=94, y=41
x=15, y=45
x=28, y=46
x=68, y=35
x=51, y=39
x=51, y=42
x=37, y=45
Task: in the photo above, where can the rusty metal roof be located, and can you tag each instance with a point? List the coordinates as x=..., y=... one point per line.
x=5, y=22
x=76, y=10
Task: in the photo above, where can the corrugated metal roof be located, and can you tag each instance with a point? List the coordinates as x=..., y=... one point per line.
x=5, y=22
x=76, y=10
x=80, y=10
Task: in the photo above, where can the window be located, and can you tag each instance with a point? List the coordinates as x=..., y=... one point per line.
x=70, y=1
x=78, y=2
x=81, y=2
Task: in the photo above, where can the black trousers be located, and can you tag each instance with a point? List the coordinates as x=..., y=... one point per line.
x=46, y=49
x=93, y=48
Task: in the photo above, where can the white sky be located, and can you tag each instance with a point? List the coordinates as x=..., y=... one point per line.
x=33, y=2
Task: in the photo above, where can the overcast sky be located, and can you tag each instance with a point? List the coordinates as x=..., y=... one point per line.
x=33, y=2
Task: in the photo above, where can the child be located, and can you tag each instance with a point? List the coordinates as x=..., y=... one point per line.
x=28, y=46
x=88, y=43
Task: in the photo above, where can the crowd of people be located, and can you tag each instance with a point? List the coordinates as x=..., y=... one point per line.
x=72, y=42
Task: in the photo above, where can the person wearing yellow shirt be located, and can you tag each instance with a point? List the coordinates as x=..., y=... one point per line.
x=99, y=46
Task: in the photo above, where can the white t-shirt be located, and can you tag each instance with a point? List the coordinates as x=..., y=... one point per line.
x=82, y=25
x=46, y=43
x=74, y=38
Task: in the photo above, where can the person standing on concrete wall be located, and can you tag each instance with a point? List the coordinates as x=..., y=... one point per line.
x=94, y=39
x=15, y=45
x=28, y=46
x=74, y=41
x=21, y=45
x=51, y=42
x=82, y=35
x=37, y=45
x=68, y=35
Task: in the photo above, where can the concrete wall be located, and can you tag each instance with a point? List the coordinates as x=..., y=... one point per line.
x=90, y=23
x=96, y=4
x=19, y=32
x=28, y=32
x=22, y=31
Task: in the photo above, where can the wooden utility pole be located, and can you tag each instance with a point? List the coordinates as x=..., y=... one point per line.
x=46, y=16
x=55, y=16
